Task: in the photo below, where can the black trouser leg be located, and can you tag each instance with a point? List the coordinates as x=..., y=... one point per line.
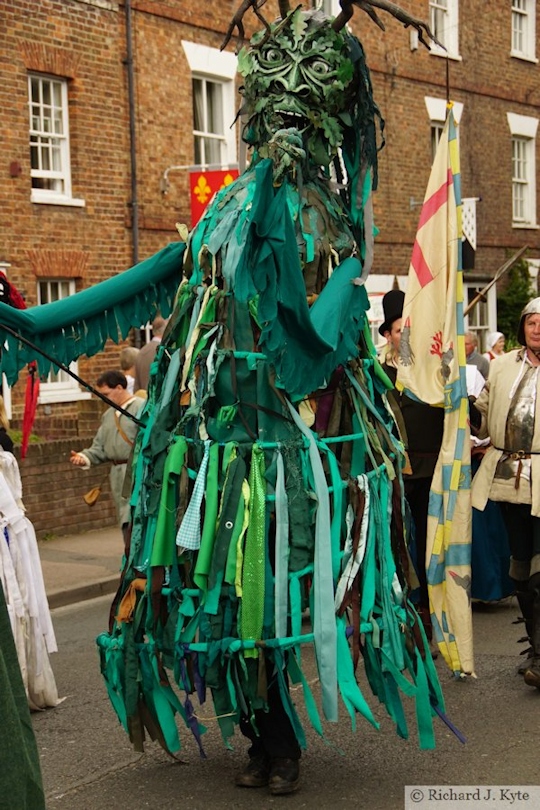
x=417, y=494
x=276, y=737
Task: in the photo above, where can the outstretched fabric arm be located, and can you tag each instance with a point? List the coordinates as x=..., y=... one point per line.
x=82, y=323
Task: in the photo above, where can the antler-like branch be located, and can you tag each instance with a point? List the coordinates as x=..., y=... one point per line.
x=284, y=8
x=237, y=20
x=369, y=6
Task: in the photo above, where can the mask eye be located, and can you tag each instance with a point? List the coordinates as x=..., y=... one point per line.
x=320, y=67
x=273, y=56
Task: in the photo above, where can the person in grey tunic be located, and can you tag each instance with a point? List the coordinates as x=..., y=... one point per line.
x=114, y=439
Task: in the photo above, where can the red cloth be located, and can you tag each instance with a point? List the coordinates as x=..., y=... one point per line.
x=15, y=299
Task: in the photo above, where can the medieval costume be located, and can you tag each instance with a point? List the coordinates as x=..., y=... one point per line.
x=510, y=409
x=24, y=589
x=112, y=443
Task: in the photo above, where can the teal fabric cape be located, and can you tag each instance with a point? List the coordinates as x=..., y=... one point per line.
x=82, y=323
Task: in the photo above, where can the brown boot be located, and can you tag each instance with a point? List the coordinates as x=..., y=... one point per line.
x=531, y=676
x=256, y=773
x=284, y=776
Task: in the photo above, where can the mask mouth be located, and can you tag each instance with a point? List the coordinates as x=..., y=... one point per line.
x=292, y=120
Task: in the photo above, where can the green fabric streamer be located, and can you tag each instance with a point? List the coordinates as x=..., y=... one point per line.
x=204, y=560
x=253, y=578
x=164, y=548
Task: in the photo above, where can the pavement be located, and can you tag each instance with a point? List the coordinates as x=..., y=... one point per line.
x=81, y=566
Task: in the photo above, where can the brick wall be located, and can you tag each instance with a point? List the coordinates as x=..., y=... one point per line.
x=53, y=491
x=85, y=41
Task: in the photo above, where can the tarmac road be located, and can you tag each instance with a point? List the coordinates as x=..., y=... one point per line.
x=88, y=763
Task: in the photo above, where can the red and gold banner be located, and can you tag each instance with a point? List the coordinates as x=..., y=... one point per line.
x=203, y=185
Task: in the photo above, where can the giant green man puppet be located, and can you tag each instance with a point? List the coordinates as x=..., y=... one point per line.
x=267, y=475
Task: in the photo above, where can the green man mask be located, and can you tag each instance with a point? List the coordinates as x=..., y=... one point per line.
x=299, y=75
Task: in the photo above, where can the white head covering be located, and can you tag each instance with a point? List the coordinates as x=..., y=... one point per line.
x=492, y=338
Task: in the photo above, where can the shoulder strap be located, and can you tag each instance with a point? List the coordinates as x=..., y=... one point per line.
x=118, y=424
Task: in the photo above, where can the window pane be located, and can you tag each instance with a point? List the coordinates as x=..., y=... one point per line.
x=34, y=84
x=215, y=108
x=199, y=150
x=56, y=155
x=212, y=150
x=436, y=132
x=198, y=105
x=57, y=94
x=45, y=157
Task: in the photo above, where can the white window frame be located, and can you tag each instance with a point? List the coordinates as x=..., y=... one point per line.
x=448, y=32
x=474, y=322
x=330, y=7
x=38, y=136
x=523, y=28
x=66, y=389
x=523, y=129
x=436, y=109
x=210, y=64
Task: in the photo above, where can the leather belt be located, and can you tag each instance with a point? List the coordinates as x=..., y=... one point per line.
x=116, y=463
x=516, y=454
x=519, y=456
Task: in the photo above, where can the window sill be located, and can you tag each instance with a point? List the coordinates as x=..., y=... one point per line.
x=526, y=226
x=51, y=397
x=456, y=57
x=58, y=199
x=524, y=57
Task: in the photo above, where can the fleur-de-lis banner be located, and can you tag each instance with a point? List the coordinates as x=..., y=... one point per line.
x=203, y=185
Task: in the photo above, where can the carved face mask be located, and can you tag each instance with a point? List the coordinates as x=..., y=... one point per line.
x=301, y=77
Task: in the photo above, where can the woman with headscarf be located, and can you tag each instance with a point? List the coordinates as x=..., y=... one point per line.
x=494, y=345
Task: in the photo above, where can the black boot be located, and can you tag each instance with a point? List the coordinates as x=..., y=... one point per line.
x=256, y=773
x=531, y=676
x=284, y=776
x=525, y=599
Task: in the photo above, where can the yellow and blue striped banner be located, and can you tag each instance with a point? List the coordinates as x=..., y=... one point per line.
x=431, y=367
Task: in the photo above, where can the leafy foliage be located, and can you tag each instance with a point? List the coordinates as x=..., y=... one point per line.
x=511, y=301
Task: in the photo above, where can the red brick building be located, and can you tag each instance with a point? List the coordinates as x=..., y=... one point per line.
x=107, y=104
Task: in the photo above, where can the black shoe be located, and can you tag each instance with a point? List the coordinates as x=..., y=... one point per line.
x=284, y=776
x=255, y=774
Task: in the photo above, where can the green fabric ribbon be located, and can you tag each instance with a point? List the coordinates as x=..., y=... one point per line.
x=204, y=559
x=164, y=548
x=253, y=577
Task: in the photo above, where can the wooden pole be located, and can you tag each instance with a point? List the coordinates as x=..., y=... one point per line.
x=500, y=272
